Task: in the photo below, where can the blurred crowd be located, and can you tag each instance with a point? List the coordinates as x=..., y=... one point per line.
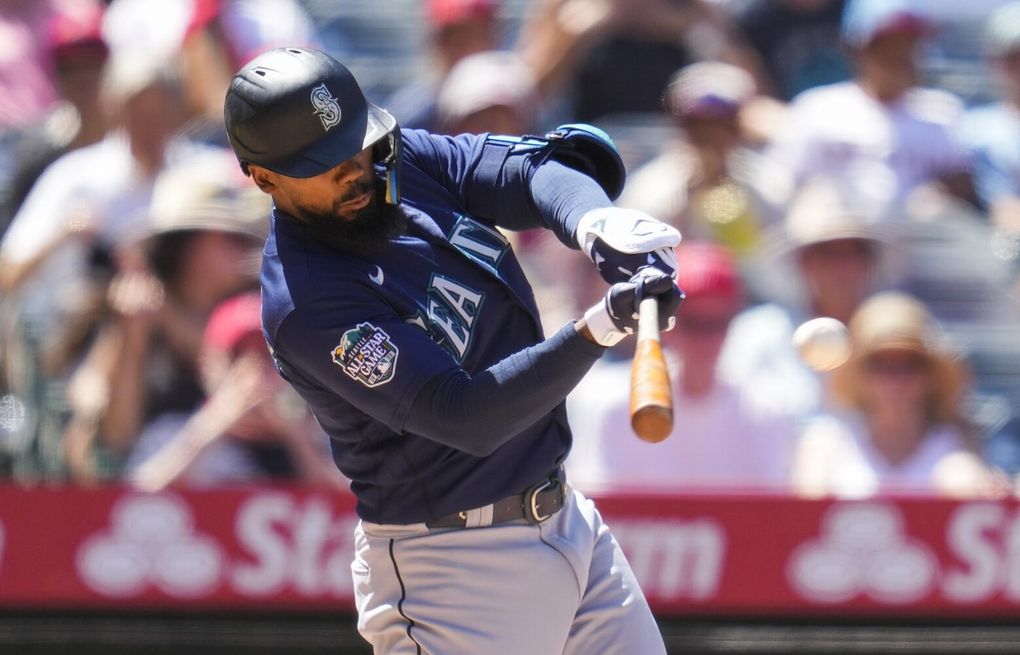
x=855, y=159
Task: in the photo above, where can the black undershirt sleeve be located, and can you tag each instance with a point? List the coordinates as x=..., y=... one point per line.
x=477, y=414
x=562, y=196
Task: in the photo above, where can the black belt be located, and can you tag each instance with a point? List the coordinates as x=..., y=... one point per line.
x=536, y=504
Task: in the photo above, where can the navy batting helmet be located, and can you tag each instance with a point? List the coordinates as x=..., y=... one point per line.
x=300, y=112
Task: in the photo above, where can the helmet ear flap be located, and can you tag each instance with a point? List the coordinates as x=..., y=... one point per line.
x=387, y=153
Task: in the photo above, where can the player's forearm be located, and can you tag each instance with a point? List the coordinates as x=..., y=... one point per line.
x=479, y=414
x=562, y=195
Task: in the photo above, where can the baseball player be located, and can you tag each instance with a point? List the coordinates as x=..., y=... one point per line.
x=396, y=308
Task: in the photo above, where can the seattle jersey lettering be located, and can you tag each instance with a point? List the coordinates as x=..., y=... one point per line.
x=482, y=243
x=452, y=311
x=366, y=354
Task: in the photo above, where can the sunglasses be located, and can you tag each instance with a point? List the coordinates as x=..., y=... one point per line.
x=897, y=365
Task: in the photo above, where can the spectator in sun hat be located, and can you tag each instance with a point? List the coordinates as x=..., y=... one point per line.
x=826, y=258
x=879, y=128
x=202, y=245
x=250, y=428
x=455, y=29
x=991, y=132
x=720, y=440
x=91, y=197
x=699, y=182
x=898, y=427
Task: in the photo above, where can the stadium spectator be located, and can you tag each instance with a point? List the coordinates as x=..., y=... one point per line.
x=829, y=260
x=797, y=42
x=90, y=198
x=250, y=428
x=491, y=91
x=700, y=181
x=27, y=87
x=610, y=57
x=456, y=29
x=56, y=256
x=203, y=246
x=880, y=129
x=720, y=440
x=901, y=429
x=992, y=132
x=77, y=54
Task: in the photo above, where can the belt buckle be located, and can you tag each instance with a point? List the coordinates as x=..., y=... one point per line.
x=531, y=501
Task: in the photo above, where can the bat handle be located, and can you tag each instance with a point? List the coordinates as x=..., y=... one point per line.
x=651, y=396
x=648, y=320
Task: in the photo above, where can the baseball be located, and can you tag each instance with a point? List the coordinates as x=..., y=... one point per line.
x=822, y=343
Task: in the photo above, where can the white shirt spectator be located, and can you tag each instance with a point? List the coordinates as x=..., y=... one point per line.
x=887, y=150
x=835, y=456
x=97, y=188
x=719, y=442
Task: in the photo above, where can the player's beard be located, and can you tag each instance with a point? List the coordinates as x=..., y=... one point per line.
x=367, y=231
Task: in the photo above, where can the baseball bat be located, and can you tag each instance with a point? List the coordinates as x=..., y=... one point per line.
x=651, y=398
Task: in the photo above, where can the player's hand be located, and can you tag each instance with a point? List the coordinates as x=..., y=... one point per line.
x=622, y=241
x=616, y=315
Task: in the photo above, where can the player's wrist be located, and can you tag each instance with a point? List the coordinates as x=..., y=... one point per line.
x=584, y=234
x=600, y=326
x=581, y=327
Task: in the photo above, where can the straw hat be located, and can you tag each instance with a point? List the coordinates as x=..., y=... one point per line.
x=208, y=193
x=825, y=210
x=894, y=321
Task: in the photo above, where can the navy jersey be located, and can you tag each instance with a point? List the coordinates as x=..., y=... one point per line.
x=359, y=336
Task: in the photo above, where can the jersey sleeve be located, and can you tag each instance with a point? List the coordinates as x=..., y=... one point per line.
x=393, y=372
x=512, y=182
x=377, y=362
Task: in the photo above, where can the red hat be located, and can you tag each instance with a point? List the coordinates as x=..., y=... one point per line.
x=445, y=12
x=76, y=33
x=232, y=321
x=705, y=269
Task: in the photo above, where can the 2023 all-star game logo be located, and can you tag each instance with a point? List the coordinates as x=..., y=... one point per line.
x=367, y=354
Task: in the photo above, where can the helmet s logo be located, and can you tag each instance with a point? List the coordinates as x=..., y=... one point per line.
x=326, y=106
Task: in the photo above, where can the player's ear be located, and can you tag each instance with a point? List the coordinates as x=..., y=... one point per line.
x=263, y=178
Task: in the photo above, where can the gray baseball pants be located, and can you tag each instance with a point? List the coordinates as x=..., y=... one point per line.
x=562, y=587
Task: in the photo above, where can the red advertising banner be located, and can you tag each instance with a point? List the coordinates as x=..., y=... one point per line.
x=290, y=549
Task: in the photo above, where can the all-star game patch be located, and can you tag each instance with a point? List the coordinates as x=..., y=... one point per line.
x=367, y=355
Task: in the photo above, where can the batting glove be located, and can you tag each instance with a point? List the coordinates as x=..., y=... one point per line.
x=622, y=241
x=616, y=315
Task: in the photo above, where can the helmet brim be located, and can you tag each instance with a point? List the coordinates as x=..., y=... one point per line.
x=327, y=153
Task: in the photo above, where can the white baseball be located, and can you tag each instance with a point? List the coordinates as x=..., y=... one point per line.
x=823, y=343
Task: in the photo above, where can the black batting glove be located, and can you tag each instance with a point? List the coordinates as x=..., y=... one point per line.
x=616, y=315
